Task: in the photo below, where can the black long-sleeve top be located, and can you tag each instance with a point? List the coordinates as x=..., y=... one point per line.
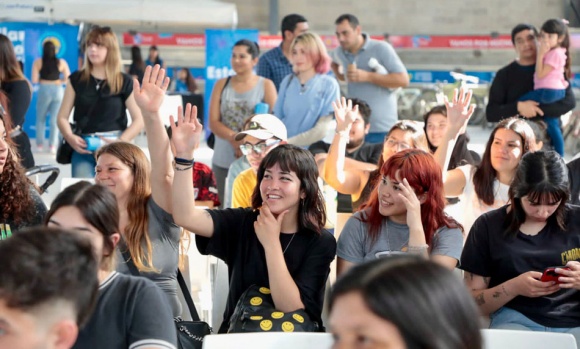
x=513, y=81
x=19, y=97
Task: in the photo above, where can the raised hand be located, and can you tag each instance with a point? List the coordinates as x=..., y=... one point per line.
x=344, y=113
x=459, y=110
x=186, y=134
x=268, y=227
x=149, y=95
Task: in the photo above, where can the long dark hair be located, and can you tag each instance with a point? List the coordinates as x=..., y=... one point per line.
x=428, y=304
x=311, y=211
x=542, y=176
x=485, y=174
x=557, y=26
x=10, y=69
x=98, y=207
x=136, y=58
x=49, y=59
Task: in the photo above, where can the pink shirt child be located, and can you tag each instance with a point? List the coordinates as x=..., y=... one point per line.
x=556, y=58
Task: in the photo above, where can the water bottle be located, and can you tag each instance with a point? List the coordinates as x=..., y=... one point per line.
x=262, y=108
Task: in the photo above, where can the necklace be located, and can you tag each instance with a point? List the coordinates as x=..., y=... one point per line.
x=289, y=242
x=302, y=88
x=98, y=82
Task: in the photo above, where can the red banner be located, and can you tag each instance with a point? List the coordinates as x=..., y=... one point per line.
x=148, y=39
x=398, y=41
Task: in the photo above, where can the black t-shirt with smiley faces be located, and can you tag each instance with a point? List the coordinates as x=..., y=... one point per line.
x=489, y=253
x=308, y=257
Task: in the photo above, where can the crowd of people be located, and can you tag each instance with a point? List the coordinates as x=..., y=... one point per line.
x=100, y=267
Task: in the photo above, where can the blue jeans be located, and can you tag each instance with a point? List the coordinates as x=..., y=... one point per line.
x=509, y=319
x=83, y=165
x=547, y=96
x=48, y=102
x=375, y=137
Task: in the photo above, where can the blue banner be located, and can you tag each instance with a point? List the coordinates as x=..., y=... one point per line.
x=444, y=76
x=218, y=50
x=28, y=39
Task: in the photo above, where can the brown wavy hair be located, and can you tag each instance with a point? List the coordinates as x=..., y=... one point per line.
x=16, y=203
x=136, y=231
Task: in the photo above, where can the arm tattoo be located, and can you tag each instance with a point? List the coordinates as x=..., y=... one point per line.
x=206, y=214
x=504, y=291
x=496, y=294
x=479, y=299
x=486, y=280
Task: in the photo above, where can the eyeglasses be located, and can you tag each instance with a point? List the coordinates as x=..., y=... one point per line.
x=391, y=143
x=259, y=148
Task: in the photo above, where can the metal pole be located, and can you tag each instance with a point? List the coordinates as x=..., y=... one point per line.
x=273, y=23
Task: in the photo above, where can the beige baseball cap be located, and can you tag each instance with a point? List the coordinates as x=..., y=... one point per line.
x=264, y=126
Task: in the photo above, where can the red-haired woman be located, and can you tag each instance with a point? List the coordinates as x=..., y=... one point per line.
x=404, y=214
x=358, y=180
x=305, y=98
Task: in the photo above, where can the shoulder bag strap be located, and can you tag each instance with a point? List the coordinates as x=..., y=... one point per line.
x=187, y=296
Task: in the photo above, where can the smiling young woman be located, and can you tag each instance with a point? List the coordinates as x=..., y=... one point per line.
x=403, y=215
x=508, y=248
x=484, y=187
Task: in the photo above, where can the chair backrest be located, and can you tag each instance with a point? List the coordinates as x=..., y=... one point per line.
x=510, y=339
x=268, y=340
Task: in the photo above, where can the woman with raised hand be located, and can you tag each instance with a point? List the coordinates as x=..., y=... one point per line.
x=509, y=250
x=483, y=187
x=101, y=94
x=279, y=242
x=354, y=180
x=403, y=215
x=131, y=312
x=143, y=193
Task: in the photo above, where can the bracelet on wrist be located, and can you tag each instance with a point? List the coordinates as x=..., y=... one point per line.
x=176, y=168
x=182, y=161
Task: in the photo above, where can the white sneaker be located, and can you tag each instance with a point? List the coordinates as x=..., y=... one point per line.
x=52, y=149
x=39, y=148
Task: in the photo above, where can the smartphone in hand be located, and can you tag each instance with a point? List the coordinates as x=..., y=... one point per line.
x=550, y=274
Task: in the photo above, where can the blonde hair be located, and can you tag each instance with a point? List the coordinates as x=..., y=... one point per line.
x=105, y=36
x=315, y=49
x=136, y=231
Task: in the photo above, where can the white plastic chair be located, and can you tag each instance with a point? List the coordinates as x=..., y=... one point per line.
x=268, y=340
x=511, y=339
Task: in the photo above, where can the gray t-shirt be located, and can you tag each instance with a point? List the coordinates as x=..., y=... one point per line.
x=130, y=313
x=164, y=235
x=354, y=243
x=383, y=101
